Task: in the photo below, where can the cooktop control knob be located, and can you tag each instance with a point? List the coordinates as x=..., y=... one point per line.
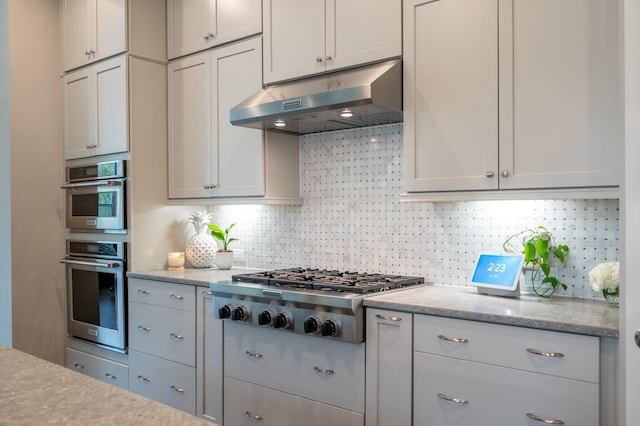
x=241, y=313
x=283, y=320
x=330, y=327
x=225, y=311
x=312, y=324
x=265, y=317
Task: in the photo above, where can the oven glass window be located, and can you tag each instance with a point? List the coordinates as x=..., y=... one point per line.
x=94, y=298
x=100, y=204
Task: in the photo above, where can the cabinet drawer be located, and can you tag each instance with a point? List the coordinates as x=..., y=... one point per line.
x=164, y=332
x=576, y=356
x=164, y=381
x=243, y=400
x=99, y=368
x=496, y=395
x=319, y=369
x=178, y=296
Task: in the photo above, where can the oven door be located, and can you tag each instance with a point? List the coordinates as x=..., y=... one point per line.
x=96, y=300
x=96, y=205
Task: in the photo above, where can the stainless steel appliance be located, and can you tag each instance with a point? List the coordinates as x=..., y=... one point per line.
x=312, y=302
x=95, y=197
x=96, y=291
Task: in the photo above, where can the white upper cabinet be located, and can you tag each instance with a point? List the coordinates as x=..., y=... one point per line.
x=92, y=30
x=304, y=37
x=95, y=109
x=194, y=25
x=510, y=94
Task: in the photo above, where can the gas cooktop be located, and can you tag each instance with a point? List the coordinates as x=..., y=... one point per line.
x=328, y=280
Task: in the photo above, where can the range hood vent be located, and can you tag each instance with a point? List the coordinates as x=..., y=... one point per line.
x=371, y=94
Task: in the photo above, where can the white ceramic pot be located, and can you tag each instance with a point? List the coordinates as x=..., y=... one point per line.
x=224, y=259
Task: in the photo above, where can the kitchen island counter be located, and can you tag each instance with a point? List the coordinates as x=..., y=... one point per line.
x=572, y=315
x=34, y=391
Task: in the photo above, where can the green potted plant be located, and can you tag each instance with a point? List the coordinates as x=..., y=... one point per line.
x=224, y=255
x=540, y=249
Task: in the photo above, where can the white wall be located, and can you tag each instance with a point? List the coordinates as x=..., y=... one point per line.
x=36, y=175
x=5, y=180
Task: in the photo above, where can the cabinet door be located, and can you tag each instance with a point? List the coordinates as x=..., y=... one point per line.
x=78, y=113
x=77, y=28
x=237, y=75
x=496, y=395
x=559, y=95
x=102, y=369
x=388, y=368
x=110, y=32
x=361, y=31
x=189, y=25
x=209, y=360
x=192, y=157
x=294, y=38
x=450, y=95
x=111, y=106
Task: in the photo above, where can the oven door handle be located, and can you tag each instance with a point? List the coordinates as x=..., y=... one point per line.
x=113, y=265
x=108, y=182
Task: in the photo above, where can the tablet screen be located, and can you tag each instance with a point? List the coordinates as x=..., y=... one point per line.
x=498, y=271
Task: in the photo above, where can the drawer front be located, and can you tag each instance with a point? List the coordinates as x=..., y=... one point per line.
x=170, y=295
x=574, y=356
x=245, y=402
x=496, y=395
x=164, y=381
x=320, y=369
x=102, y=369
x=164, y=332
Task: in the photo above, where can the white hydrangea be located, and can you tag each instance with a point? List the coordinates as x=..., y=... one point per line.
x=605, y=276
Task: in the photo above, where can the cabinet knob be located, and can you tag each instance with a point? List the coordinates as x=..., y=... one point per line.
x=208, y=36
x=319, y=59
x=505, y=173
x=488, y=174
x=328, y=58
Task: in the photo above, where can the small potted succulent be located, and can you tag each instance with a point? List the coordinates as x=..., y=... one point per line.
x=224, y=255
x=539, y=249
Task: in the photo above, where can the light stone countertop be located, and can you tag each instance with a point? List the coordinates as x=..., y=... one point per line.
x=572, y=315
x=581, y=316
x=37, y=392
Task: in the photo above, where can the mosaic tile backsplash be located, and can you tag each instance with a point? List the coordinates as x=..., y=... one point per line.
x=352, y=219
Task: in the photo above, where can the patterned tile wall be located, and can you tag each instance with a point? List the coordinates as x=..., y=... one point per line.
x=353, y=219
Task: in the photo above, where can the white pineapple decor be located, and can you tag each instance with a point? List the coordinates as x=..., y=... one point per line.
x=201, y=247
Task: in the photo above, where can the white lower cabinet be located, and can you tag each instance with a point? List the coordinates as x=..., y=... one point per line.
x=249, y=404
x=319, y=381
x=449, y=391
x=108, y=371
x=165, y=381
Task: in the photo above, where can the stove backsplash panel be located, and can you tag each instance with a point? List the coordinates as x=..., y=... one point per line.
x=352, y=219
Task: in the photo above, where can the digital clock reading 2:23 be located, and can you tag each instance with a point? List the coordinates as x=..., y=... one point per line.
x=497, y=270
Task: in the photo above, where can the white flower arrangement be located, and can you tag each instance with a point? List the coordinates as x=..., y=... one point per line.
x=605, y=277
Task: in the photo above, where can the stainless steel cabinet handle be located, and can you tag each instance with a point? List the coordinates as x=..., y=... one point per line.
x=206, y=186
x=177, y=389
x=141, y=291
x=387, y=318
x=253, y=355
x=453, y=339
x=177, y=336
x=208, y=36
x=488, y=174
x=78, y=366
x=323, y=371
x=144, y=378
x=144, y=328
x=452, y=399
x=110, y=376
x=547, y=354
x=547, y=421
x=207, y=293
x=636, y=337
x=252, y=416
x=177, y=297
x=505, y=173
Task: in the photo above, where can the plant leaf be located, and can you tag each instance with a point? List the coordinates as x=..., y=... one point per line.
x=217, y=233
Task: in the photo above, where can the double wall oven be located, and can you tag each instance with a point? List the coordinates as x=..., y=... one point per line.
x=96, y=252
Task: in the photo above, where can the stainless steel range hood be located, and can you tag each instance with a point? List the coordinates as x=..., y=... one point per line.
x=371, y=94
